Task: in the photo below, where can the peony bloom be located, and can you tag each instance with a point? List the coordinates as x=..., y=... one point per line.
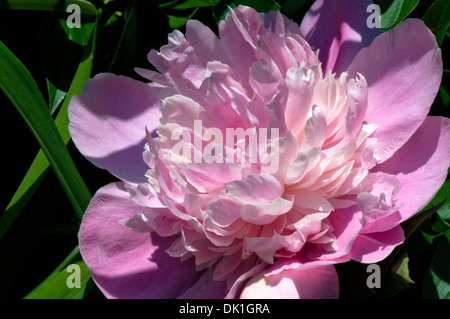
x=252, y=162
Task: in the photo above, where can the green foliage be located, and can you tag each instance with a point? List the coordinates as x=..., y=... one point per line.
x=395, y=11
x=437, y=19
x=63, y=282
x=18, y=84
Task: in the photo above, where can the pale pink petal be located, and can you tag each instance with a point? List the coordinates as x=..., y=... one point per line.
x=403, y=84
x=224, y=210
x=127, y=264
x=300, y=84
x=314, y=283
x=420, y=165
x=257, y=188
x=108, y=122
x=224, y=98
x=339, y=30
x=265, y=213
x=315, y=130
x=358, y=101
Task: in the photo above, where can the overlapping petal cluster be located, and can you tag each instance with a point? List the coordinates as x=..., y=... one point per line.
x=254, y=161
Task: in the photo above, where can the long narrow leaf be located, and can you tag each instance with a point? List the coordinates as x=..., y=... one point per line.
x=70, y=280
x=40, y=165
x=20, y=87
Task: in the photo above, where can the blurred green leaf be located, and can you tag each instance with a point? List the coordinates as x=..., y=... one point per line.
x=20, y=87
x=437, y=19
x=48, y=5
x=437, y=280
x=444, y=93
x=395, y=11
x=61, y=284
x=168, y=4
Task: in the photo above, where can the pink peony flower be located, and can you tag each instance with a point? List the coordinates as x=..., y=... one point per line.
x=251, y=163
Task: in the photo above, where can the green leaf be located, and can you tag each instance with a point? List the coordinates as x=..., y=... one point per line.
x=436, y=18
x=63, y=281
x=48, y=5
x=62, y=49
x=20, y=87
x=177, y=22
x=396, y=277
x=220, y=8
x=55, y=96
x=190, y=4
x=437, y=279
x=395, y=11
x=40, y=165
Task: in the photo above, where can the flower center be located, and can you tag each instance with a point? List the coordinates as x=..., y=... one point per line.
x=263, y=181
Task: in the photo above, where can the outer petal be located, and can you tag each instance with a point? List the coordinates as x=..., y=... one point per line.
x=372, y=248
x=126, y=264
x=403, y=69
x=339, y=30
x=206, y=288
x=314, y=283
x=421, y=165
x=108, y=121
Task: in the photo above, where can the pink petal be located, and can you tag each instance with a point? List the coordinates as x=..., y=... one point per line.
x=403, y=69
x=205, y=43
x=339, y=30
x=108, y=121
x=238, y=35
x=274, y=42
x=239, y=284
x=314, y=283
x=266, y=80
x=206, y=288
x=126, y=264
x=420, y=165
x=374, y=247
x=265, y=213
x=300, y=83
x=347, y=224
x=224, y=210
x=258, y=188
